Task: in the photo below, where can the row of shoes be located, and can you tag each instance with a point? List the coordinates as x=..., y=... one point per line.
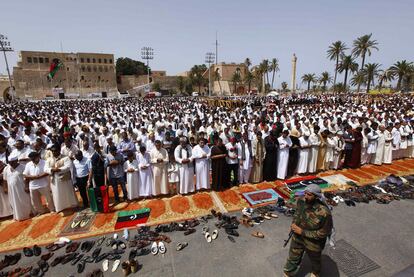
x=29, y=252
x=10, y=260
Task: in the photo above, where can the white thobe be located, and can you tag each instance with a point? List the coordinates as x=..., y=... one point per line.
x=388, y=147
x=404, y=141
x=396, y=140
x=202, y=166
x=246, y=166
x=339, y=146
x=145, y=174
x=186, y=169
x=283, y=156
x=160, y=171
x=313, y=153
x=330, y=147
x=19, y=199
x=61, y=184
x=132, y=178
x=379, y=154
x=303, y=155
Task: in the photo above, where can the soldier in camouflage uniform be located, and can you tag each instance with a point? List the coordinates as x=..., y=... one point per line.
x=312, y=224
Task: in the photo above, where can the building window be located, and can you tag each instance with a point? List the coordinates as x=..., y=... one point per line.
x=100, y=69
x=34, y=59
x=88, y=60
x=104, y=60
x=29, y=59
x=93, y=60
x=83, y=69
x=110, y=60
x=106, y=69
x=74, y=59
x=67, y=68
x=94, y=69
x=82, y=60
x=40, y=60
x=89, y=69
x=99, y=78
x=99, y=60
x=83, y=78
x=46, y=60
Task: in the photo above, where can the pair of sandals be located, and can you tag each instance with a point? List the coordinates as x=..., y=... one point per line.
x=80, y=223
x=209, y=237
x=247, y=212
x=158, y=248
x=338, y=199
x=115, y=265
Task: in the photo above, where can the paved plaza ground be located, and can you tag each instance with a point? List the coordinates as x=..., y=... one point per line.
x=383, y=233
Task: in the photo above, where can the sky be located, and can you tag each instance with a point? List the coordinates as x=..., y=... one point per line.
x=181, y=32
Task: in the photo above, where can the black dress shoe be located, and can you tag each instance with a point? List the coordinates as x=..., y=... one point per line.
x=189, y=231
x=36, y=272
x=89, y=246
x=81, y=267
x=27, y=252
x=230, y=226
x=143, y=252
x=101, y=257
x=57, y=261
x=232, y=232
x=89, y=259
x=37, y=250
x=77, y=259
x=231, y=239
x=69, y=257
x=14, y=259
x=132, y=254
x=43, y=265
x=96, y=252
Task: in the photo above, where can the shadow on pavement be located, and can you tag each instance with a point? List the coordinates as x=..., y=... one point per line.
x=329, y=267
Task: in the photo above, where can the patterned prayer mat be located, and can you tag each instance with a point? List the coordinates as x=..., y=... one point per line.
x=265, y=196
x=80, y=223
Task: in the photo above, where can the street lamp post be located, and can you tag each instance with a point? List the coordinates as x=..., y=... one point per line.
x=209, y=60
x=147, y=53
x=5, y=47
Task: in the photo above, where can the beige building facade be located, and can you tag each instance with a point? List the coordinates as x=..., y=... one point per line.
x=81, y=75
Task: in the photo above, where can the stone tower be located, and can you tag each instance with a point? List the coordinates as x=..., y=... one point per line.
x=293, y=82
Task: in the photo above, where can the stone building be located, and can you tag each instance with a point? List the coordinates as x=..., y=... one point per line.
x=226, y=86
x=81, y=75
x=4, y=86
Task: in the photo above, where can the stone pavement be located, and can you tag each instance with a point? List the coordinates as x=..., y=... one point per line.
x=383, y=233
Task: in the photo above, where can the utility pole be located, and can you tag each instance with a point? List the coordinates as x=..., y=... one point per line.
x=209, y=61
x=147, y=53
x=5, y=47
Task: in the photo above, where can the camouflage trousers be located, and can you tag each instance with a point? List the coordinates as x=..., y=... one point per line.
x=296, y=251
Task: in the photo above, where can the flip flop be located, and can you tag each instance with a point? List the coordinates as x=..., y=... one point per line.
x=100, y=241
x=84, y=222
x=161, y=247
x=207, y=236
x=214, y=235
x=75, y=224
x=64, y=240
x=231, y=239
x=115, y=265
x=181, y=245
x=126, y=234
x=154, y=248
x=257, y=234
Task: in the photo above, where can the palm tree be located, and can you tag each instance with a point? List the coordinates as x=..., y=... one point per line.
x=358, y=79
x=284, y=86
x=274, y=66
x=236, y=79
x=347, y=64
x=248, y=79
x=370, y=71
x=264, y=67
x=334, y=53
x=217, y=78
x=401, y=69
x=180, y=84
x=196, y=76
x=362, y=46
x=384, y=76
x=325, y=79
x=309, y=78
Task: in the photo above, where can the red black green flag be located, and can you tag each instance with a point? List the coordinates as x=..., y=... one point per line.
x=54, y=67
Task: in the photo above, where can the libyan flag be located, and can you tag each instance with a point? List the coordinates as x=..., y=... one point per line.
x=54, y=67
x=132, y=218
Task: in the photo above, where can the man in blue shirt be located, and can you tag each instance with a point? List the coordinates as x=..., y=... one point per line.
x=82, y=172
x=115, y=167
x=126, y=145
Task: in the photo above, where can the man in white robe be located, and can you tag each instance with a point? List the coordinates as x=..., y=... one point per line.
x=159, y=161
x=396, y=141
x=18, y=192
x=379, y=154
x=145, y=172
x=313, y=153
x=245, y=155
x=304, y=149
x=283, y=154
x=131, y=168
x=337, y=152
x=201, y=154
x=61, y=183
x=388, y=147
x=5, y=207
x=404, y=140
x=183, y=156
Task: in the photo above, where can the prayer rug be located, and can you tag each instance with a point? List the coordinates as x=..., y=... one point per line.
x=80, y=223
x=261, y=196
x=128, y=219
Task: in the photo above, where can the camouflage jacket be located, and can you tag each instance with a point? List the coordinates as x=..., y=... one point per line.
x=316, y=223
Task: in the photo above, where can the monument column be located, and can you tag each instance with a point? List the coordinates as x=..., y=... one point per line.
x=293, y=82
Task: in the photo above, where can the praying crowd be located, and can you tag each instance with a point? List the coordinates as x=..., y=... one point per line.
x=165, y=146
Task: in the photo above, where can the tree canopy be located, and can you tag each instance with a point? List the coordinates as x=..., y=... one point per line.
x=127, y=66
